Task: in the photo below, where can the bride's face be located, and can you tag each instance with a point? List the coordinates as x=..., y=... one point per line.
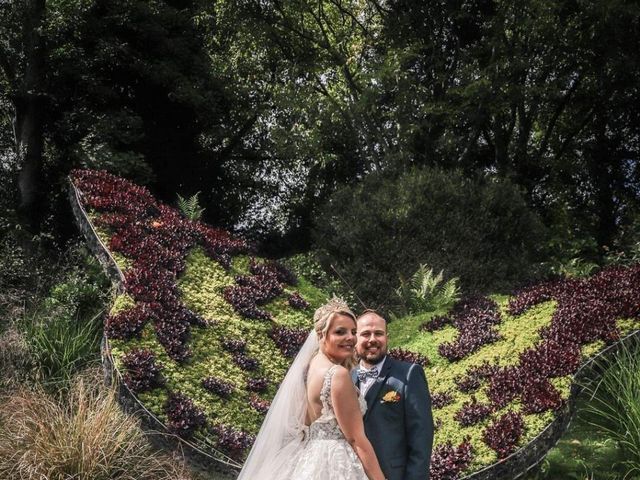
x=340, y=339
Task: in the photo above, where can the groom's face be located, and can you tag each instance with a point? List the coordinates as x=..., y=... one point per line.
x=372, y=338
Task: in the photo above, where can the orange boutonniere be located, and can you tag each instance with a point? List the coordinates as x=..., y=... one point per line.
x=390, y=397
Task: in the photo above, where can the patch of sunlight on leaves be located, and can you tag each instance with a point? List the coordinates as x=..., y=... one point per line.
x=121, y=303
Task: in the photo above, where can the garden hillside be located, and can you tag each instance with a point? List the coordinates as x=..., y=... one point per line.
x=203, y=330
x=469, y=169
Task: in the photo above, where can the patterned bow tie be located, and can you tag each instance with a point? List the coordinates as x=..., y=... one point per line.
x=364, y=374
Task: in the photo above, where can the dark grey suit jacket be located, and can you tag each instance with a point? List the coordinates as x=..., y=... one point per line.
x=401, y=431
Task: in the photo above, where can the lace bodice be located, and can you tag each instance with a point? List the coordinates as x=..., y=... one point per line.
x=326, y=425
x=325, y=453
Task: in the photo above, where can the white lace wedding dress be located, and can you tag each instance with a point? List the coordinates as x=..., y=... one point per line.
x=325, y=454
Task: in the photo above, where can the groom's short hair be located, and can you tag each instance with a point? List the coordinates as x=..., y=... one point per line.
x=367, y=311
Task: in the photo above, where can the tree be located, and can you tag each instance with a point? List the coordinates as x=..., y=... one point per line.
x=515, y=89
x=531, y=91
x=128, y=86
x=22, y=63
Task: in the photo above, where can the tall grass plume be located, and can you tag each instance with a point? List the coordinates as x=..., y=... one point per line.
x=82, y=435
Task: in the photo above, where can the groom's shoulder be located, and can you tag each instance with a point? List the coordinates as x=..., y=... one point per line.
x=401, y=365
x=407, y=371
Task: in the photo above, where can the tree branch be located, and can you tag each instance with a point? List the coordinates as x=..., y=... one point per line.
x=381, y=10
x=569, y=139
x=237, y=137
x=343, y=10
x=287, y=26
x=562, y=105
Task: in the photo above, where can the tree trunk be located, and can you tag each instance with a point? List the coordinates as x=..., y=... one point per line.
x=29, y=122
x=601, y=168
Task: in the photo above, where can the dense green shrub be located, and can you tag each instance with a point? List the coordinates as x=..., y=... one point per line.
x=479, y=230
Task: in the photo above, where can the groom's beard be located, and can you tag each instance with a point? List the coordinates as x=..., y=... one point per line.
x=373, y=358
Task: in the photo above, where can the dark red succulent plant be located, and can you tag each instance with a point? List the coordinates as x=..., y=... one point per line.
x=142, y=371
x=297, y=301
x=218, y=386
x=183, y=415
x=404, y=355
x=475, y=318
x=441, y=399
x=436, y=323
x=232, y=441
x=258, y=384
x=288, y=340
x=258, y=404
x=472, y=412
x=448, y=462
x=504, y=434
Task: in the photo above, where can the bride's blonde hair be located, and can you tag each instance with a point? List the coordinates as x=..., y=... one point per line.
x=323, y=317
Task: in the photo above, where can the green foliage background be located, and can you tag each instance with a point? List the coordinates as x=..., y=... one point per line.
x=479, y=230
x=268, y=108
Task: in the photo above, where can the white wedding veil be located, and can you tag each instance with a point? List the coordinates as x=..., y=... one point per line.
x=282, y=432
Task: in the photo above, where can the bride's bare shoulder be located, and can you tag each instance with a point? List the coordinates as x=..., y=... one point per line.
x=319, y=368
x=341, y=378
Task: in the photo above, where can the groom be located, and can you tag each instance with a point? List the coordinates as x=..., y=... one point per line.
x=398, y=422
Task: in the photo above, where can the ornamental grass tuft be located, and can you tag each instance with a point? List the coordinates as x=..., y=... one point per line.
x=83, y=435
x=60, y=347
x=613, y=406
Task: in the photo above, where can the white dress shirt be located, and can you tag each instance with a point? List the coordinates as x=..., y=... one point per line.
x=366, y=384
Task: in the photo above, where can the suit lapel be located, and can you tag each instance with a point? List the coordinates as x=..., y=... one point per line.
x=372, y=393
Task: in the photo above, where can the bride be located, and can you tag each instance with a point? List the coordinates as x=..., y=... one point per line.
x=314, y=428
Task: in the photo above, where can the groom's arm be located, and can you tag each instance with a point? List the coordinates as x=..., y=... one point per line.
x=418, y=425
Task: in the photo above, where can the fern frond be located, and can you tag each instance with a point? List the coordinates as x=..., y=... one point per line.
x=182, y=203
x=425, y=291
x=190, y=207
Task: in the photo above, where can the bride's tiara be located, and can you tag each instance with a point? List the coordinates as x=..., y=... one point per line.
x=334, y=305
